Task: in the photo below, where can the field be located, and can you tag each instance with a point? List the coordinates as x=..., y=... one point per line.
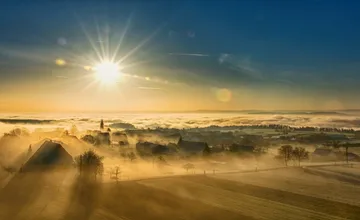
x=279, y=194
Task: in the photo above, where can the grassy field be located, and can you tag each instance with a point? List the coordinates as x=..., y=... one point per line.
x=278, y=194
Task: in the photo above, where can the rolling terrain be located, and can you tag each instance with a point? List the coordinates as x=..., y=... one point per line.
x=279, y=194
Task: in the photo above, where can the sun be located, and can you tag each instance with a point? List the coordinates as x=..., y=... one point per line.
x=107, y=72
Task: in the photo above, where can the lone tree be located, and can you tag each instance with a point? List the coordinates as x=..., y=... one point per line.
x=258, y=152
x=116, y=173
x=346, y=146
x=188, y=166
x=102, y=125
x=285, y=152
x=123, y=155
x=161, y=161
x=335, y=144
x=131, y=156
x=89, y=163
x=299, y=153
x=29, y=150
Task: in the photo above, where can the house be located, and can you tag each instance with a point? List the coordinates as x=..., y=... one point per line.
x=192, y=147
x=103, y=138
x=89, y=139
x=148, y=148
x=241, y=148
x=324, y=154
x=357, y=134
x=50, y=154
x=353, y=157
x=120, y=138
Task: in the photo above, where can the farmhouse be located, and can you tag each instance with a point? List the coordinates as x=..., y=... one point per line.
x=192, y=147
x=50, y=154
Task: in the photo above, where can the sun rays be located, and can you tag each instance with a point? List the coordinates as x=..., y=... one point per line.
x=106, y=66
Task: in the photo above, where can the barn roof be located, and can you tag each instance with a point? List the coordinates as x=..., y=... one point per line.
x=192, y=146
x=49, y=153
x=322, y=151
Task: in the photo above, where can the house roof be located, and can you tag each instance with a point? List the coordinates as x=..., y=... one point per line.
x=49, y=153
x=322, y=151
x=192, y=146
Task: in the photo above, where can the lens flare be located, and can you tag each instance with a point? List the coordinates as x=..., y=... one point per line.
x=223, y=95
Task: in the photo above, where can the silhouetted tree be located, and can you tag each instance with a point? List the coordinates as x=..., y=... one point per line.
x=207, y=151
x=346, y=146
x=29, y=150
x=258, y=152
x=188, y=166
x=161, y=161
x=102, y=124
x=285, y=152
x=116, y=171
x=335, y=144
x=131, y=156
x=89, y=163
x=299, y=153
x=123, y=155
x=9, y=169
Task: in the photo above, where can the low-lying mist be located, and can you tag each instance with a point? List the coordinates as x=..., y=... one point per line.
x=14, y=151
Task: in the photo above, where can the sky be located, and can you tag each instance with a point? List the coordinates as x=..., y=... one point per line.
x=179, y=55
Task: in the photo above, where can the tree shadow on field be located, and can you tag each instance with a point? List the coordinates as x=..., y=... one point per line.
x=84, y=198
x=19, y=193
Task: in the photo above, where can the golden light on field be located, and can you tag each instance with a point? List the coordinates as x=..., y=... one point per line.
x=60, y=62
x=107, y=72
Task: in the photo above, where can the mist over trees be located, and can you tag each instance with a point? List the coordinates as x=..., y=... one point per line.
x=287, y=153
x=89, y=164
x=299, y=153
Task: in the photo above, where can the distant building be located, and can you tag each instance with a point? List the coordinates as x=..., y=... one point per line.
x=148, y=148
x=241, y=148
x=353, y=157
x=103, y=138
x=357, y=134
x=192, y=147
x=89, y=139
x=324, y=154
x=119, y=138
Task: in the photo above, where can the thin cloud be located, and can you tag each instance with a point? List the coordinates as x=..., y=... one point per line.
x=62, y=77
x=149, y=88
x=190, y=54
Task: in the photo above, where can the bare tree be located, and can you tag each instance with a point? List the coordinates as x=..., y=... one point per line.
x=131, y=156
x=285, y=152
x=9, y=169
x=123, y=155
x=188, y=166
x=29, y=150
x=89, y=163
x=116, y=172
x=299, y=153
x=258, y=152
x=346, y=146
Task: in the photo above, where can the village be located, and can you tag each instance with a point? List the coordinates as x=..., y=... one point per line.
x=81, y=164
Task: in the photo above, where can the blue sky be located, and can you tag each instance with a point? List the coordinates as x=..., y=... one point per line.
x=302, y=48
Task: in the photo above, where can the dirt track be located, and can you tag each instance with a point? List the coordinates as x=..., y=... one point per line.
x=60, y=196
